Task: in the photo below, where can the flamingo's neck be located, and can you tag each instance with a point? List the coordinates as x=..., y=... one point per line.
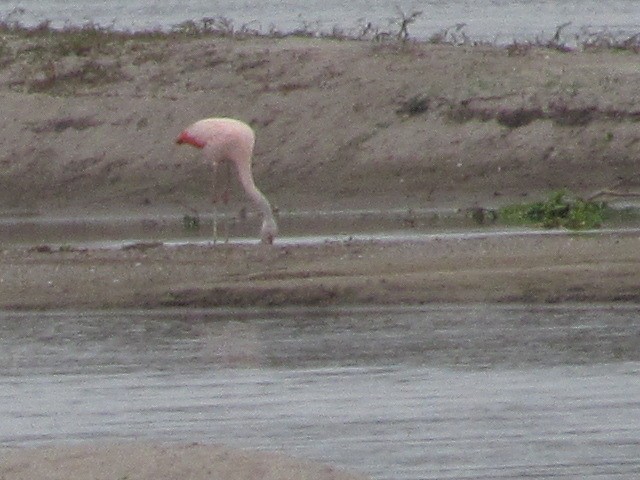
x=269, y=227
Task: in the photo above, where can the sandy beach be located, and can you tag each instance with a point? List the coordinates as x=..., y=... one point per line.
x=88, y=130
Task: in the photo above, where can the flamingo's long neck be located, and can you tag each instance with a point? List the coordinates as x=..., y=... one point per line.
x=269, y=226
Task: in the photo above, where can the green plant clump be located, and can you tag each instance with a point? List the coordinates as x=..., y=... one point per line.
x=191, y=222
x=560, y=210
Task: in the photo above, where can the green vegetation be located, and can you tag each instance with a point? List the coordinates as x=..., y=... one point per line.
x=191, y=222
x=559, y=210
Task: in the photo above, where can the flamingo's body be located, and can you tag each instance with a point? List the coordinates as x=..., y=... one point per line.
x=229, y=140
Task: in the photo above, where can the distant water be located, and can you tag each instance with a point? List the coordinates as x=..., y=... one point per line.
x=488, y=20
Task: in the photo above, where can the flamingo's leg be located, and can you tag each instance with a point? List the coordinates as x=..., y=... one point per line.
x=215, y=203
x=225, y=198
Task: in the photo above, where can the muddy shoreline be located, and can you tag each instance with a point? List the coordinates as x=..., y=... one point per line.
x=449, y=268
x=91, y=119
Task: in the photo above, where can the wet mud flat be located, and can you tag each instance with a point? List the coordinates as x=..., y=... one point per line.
x=31, y=229
x=546, y=124
x=485, y=265
x=476, y=391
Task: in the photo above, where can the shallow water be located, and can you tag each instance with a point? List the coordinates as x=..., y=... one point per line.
x=296, y=228
x=399, y=393
x=104, y=230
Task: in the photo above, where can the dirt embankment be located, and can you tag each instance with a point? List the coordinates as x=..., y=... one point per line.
x=89, y=122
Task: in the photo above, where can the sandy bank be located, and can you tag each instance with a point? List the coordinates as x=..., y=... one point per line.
x=89, y=122
x=448, y=268
x=340, y=125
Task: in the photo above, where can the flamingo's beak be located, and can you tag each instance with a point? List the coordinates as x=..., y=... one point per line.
x=184, y=137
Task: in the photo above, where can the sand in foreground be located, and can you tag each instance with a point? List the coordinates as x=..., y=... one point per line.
x=158, y=462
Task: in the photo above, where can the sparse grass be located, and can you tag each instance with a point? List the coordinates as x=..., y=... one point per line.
x=559, y=210
x=62, y=124
x=454, y=35
x=584, y=40
x=191, y=222
x=83, y=42
x=289, y=87
x=91, y=39
x=482, y=216
x=89, y=74
x=519, y=117
x=218, y=26
x=415, y=105
x=558, y=111
x=403, y=21
x=5, y=52
x=66, y=60
x=61, y=61
x=606, y=41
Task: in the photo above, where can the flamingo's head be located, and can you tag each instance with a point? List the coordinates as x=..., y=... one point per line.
x=269, y=231
x=186, y=137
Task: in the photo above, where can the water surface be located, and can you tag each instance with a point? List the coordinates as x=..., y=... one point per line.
x=398, y=393
x=487, y=20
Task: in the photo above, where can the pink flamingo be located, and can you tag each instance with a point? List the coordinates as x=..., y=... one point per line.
x=228, y=140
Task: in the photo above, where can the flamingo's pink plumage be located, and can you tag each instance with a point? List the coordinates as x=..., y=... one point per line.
x=229, y=140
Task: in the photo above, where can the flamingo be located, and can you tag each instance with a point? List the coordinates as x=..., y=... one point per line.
x=225, y=140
